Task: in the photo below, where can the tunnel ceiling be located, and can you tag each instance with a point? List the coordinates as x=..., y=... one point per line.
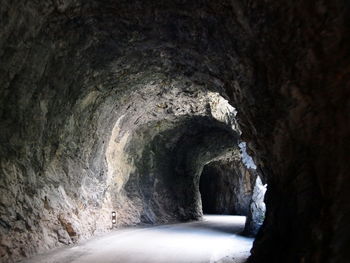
x=99, y=99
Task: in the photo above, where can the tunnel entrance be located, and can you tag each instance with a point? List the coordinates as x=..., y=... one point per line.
x=232, y=186
x=217, y=198
x=224, y=190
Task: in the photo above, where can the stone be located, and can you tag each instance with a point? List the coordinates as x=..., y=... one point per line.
x=257, y=207
x=64, y=237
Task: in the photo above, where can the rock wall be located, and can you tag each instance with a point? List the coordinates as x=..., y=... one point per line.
x=89, y=89
x=256, y=209
x=91, y=119
x=294, y=113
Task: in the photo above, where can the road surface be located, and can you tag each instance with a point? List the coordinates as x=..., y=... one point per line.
x=215, y=239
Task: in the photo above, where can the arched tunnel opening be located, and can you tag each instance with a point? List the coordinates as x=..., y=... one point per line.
x=231, y=185
x=140, y=116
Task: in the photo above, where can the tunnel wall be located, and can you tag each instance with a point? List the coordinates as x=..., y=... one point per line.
x=80, y=115
x=298, y=109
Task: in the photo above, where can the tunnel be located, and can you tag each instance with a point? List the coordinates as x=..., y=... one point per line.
x=227, y=184
x=158, y=112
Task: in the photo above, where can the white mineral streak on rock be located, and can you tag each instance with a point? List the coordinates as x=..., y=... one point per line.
x=246, y=158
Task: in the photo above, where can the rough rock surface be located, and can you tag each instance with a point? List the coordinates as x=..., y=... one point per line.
x=97, y=97
x=257, y=209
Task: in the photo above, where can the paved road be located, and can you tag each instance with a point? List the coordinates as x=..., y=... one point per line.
x=215, y=239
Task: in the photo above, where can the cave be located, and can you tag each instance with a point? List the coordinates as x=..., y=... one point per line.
x=122, y=114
